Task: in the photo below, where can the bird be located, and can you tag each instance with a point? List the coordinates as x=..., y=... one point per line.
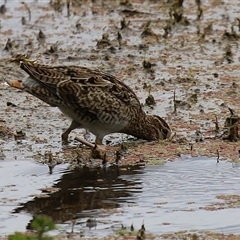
x=92, y=99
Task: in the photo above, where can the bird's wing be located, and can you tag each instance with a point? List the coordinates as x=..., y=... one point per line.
x=97, y=95
x=87, y=92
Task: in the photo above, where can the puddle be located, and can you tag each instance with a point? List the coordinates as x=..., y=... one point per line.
x=20, y=182
x=172, y=195
x=168, y=198
x=181, y=62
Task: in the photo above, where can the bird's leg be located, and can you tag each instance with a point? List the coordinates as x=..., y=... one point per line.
x=99, y=145
x=98, y=140
x=72, y=126
x=83, y=141
x=102, y=147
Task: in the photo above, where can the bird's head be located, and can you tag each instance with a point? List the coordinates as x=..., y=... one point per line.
x=158, y=128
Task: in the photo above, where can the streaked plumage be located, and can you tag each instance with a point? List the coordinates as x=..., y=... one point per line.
x=93, y=100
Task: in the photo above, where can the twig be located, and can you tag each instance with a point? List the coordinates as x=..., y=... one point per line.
x=216, y=126
x=68, y=8
x=28, y=9
x=218, y=156
x=174, y=102
x=231, y=111
x=98, y=147
x=81, y=140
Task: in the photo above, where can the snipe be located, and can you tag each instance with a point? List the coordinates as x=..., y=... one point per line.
x=94, y=100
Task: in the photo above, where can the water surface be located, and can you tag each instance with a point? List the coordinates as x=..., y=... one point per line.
x=167, y=198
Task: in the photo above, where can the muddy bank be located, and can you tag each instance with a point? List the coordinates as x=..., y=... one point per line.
x=195, y=58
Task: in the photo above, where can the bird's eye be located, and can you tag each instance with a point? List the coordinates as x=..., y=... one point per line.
x=164, y=132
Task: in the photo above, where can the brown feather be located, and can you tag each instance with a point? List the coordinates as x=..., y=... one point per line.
x=94, y=100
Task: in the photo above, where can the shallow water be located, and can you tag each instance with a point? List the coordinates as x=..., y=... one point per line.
x=166, y=198
x=20, y=182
